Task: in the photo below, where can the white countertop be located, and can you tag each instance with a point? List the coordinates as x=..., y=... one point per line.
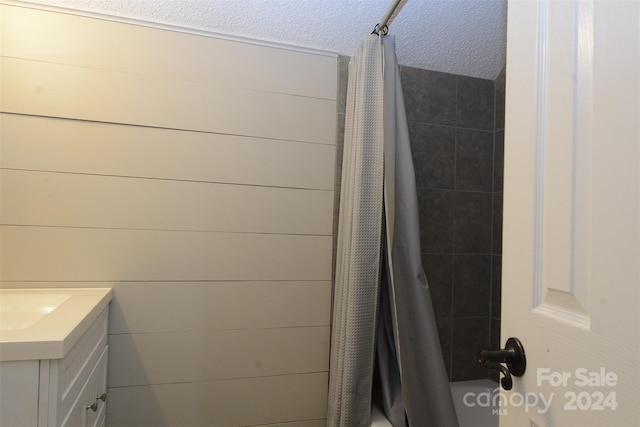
x=45, y=323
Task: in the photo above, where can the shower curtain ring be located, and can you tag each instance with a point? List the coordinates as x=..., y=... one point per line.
x=384, y=30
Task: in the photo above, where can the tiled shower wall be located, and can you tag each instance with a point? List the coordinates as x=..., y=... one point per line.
x=456, y=127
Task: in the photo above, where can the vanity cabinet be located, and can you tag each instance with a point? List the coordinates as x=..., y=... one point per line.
x=69, y=392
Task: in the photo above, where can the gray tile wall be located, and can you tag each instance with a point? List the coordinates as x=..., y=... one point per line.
x=496, y=248
x=456, y=128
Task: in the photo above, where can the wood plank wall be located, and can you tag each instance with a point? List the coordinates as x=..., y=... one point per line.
x=194, y=175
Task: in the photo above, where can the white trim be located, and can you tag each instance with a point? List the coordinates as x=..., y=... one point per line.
x=167, y=27
x=540, y=138
x=560, y=314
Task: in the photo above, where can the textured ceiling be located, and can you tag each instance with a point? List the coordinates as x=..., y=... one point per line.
x=457, y=36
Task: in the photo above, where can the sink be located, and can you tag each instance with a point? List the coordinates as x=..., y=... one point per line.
x=21, y=309
x=45, y=323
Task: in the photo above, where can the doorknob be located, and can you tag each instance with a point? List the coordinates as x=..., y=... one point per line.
x=512, y=355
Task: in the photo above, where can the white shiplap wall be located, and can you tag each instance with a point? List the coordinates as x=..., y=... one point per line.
x=194, y=175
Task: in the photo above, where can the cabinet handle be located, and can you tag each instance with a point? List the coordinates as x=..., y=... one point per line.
x=103, y=397
x=93, y=406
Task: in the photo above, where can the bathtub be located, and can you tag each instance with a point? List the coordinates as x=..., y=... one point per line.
x=470, y=400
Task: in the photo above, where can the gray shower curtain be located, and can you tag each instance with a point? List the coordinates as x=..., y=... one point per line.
x=382, y=306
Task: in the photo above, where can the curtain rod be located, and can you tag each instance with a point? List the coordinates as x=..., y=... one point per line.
x=394, y=8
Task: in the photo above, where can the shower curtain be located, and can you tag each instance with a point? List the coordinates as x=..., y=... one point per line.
x=382, y=311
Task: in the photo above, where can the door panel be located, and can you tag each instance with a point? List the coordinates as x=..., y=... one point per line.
x=571, y=249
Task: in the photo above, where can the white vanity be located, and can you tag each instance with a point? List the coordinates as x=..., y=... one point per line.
x=53, y=357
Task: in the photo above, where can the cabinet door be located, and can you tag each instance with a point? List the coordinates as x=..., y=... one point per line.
x=88, y=410
x=77, y=416
x=19, y=393
x=99, y=378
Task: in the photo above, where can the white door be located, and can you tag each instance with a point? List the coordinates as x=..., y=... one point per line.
x=571, y=254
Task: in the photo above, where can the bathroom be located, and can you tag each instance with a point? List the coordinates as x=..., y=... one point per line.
x=219, y=313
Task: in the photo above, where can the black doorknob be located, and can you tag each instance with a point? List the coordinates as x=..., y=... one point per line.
x=512, y=355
